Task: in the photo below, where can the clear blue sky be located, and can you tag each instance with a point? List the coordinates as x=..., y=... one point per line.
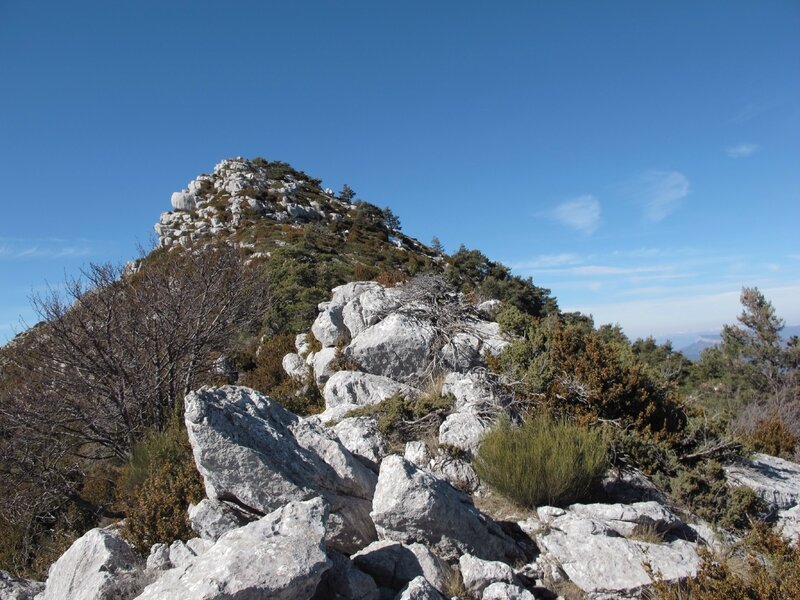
x=641, y=159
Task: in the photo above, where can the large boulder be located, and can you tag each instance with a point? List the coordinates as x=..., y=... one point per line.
x=369, y=307
x=462, y=430
x=411, y=505
x=420, y=588
x=345, y=581
x=399, y=346
x=354, y=388
x=254, y=453
x=789, y=523
x=280, y=556
x=328, y=327
x=361, y=436
x=394, y=565
x=599, y=561
x=100, y=565
x=479, y=574
x=626, y=518
x=775, y=480
x=212, y=518
x=15, y=588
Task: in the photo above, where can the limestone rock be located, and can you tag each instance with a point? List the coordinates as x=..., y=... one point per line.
x=322, y=365
x=625, y=518
x=457, y=472
x=361, y=389
x=15, y=588
x=98, y=566
x=596, y=559
x=368, y=307
x=180, y=554
x=393, y=565
x=478, y=574
x=211, y=518
x=280, y=556
x=183, y=200
x=411, y=505
x=254, y=453
x=345, y=581
x=789, y=523
x=471, y=391
x=398, y=347
x=775, y=480
x=329, y=327
x=462, y=430
x=158, y=559
x=361, y=436
x=295, y=366
x=418, y=454
x=506, y=591
x=420, y=588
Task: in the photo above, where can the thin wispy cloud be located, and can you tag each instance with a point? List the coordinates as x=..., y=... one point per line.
x=548, y=260
x=21, y=248
x=600, y=270
x=741, y=150
x=581, y=213
x=661, y=193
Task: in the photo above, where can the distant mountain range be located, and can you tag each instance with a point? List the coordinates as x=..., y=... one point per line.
x=692, y=344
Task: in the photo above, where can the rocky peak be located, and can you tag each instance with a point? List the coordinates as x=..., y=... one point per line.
x=241, y=192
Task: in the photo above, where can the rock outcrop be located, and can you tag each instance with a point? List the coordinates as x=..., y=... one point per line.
x=411, y=505
x=257, y=455
x=98, y=566
x=15, y=588
x=775, y=480
x=280, y=556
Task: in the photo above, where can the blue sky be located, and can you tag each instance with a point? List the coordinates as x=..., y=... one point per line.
x=641, y=159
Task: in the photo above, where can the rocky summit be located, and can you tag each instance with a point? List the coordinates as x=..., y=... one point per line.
x=291, y=399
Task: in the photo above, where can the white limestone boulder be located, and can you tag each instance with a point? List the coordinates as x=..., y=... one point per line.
x=329, y=327
x=398, y=347
x=212, y=518
x=471, y=391
x=478, y=574
x=506, y=591
x=345, y=581
x=15, y=588
x=411, y=505
x=462, y=430
x=322, y=364
x=361, y=436
x=361, y=389
x=599, y=561
x=775, y=480
x=369, y=307
x=420, y=588
x=295, y=366
x=394, y=565
x=253, y=452
x=625, y=518
x=280, y=556
x=789, y=523
x=100, y=565
x=183, y=200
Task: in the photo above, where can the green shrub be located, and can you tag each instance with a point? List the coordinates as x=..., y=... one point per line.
x=543, y=460
x=402, y=418
x=705, y=491
x=157, y=486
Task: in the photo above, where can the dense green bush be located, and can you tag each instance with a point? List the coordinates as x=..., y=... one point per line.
x=543, y=461
x=705, y=491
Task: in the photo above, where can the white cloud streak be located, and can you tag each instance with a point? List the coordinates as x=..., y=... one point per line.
x=662, y=193
x=581, y=213
x=741, y=150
